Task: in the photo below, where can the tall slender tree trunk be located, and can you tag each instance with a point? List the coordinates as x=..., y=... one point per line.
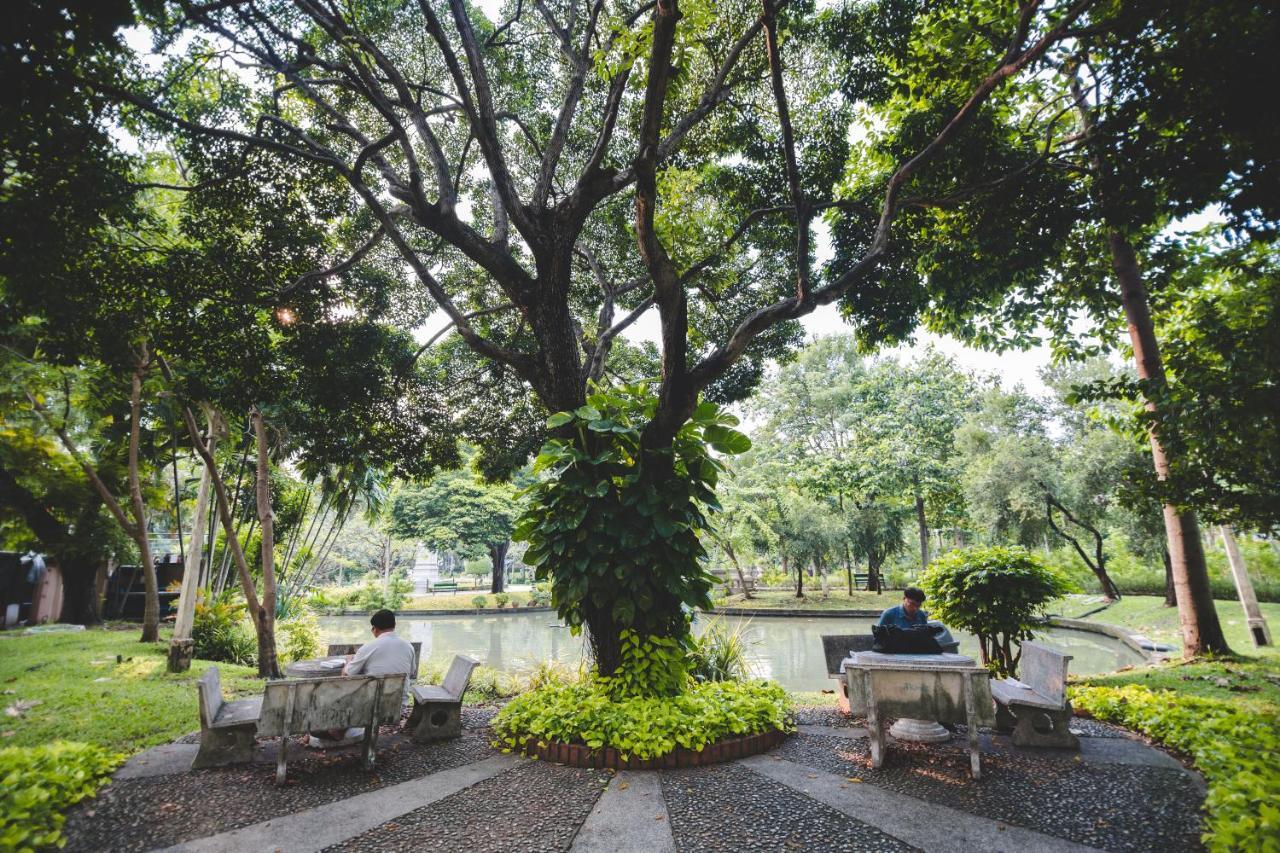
x=151, y=605
x=1201, y=631
x=1259, y=631
x=848, y=568
x=1170, y=596
x=268, y=667
x=498, y=556
x=799, y=578
x=923, y=525
x=195, y=549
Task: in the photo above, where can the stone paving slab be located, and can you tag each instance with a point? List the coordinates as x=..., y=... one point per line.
x=533, y=807
x=160, y=761
x=630, y=817
x=924, y=825
x=731, y=808
x=317, y=828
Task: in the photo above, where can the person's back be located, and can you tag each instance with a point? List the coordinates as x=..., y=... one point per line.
x=386, y=654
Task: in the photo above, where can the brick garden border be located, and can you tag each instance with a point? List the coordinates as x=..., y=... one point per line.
x=581, y=755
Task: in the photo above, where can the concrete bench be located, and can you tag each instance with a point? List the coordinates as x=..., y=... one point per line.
x=1035, y=708
x=837, y=647
x=343, y=649
x=437, y=709
x=227, y=729
x=318, y=704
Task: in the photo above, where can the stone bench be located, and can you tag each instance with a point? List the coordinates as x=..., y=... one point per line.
x=1035, y=707
x=319, y=704
x=437, y=709
x=444, y=586
x=837, y=647
x=227, y=729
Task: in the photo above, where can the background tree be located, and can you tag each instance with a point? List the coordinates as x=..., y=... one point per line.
x=458, y=511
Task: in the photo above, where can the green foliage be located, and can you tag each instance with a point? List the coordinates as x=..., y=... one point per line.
x=325, y=600
x=721, y=653
x=298, y=638
x=541, y=595
x=37, y=784
x=500, y=600
x=456, y=510
x=375, y=595
x=486, y=685
x=650, y=666
x=642, y=726
x=1234, y=748
x=479, y=602
x=222, y=630
x=617, y=527
x=995, y=593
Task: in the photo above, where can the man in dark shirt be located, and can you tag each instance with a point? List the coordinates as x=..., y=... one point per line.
x=908, y=614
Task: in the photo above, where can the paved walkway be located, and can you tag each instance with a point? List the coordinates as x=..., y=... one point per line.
x=816, y=792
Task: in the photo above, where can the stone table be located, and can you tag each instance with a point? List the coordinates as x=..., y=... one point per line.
x=922, y=691
x=320, y=668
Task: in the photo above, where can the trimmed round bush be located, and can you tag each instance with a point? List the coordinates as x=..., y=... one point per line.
x=995, y=593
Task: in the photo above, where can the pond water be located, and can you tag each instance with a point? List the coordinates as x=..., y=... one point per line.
x=787, y=649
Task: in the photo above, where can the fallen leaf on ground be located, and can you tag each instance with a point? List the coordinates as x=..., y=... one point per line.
x=22, y=706
x=622, y=786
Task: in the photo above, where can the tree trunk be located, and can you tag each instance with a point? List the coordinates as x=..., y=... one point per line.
x=498, y=555
x=266, y=622
x=1170, y=597
x=151, y=607
x=1258, y=628
x=191, y=572
x=848, y=569
x=799, y=578
x=1098, y=564
x=924, y=528
x=737, y=568
x=874, y=562
x=1201, y=631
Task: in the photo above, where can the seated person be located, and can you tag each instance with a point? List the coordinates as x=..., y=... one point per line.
x=387, y=654
x=908, y=614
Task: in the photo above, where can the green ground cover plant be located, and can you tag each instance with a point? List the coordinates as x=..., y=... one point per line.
x=37, y=784
x=1223, y=715
x=642, y=726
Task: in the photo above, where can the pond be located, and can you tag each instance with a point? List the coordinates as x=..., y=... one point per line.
x=787, y=649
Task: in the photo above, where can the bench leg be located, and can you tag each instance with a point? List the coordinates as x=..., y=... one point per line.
x=875, y=731
x=230, y=745
x=435, y=721
x=282, y=754
x=1053, y=729
x=1006, y=722
x=971, y=723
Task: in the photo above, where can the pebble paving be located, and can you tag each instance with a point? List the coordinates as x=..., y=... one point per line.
x=140, y=814
x=531, y=808
x=728, y=808
x=1111, y=806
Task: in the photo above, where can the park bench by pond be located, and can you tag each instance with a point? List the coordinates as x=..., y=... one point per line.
x=1035, y=707
x=445, y=586
x=437, y=709
x=319, y=704
x=228, y=729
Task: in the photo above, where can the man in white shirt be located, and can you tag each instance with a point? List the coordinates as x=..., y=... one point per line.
x=387, y=654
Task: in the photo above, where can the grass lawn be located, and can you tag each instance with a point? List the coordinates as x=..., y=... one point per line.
x=462, y=600
x=1146, y=614
x=782, y=599
x=85, y=695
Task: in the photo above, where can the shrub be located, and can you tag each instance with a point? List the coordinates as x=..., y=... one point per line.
x=1234, y=748
x=37, y=784
x=222, y=631
x=541, y=595
x=994, y=593
x=649, y=666
x=500, y=600
x=480, y=602
x=642, y=726
x=721, y=653
x=372, y=596
x=299, y=638
x=325, y=600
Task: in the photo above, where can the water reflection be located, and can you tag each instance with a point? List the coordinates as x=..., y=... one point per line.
x=785, y=649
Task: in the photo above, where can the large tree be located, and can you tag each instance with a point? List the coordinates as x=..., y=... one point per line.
x=576, y=111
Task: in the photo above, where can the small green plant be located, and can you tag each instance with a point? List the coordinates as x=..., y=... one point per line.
x=299, y=638
x=994, y=593
x=541, y=595
x=479, y=602
x=1235, y=748
x=375, y=594
x=721, y=653
x=37, y=784
x=651, y=666
x=500, y=600
x=222, y=632
x=641, y=726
